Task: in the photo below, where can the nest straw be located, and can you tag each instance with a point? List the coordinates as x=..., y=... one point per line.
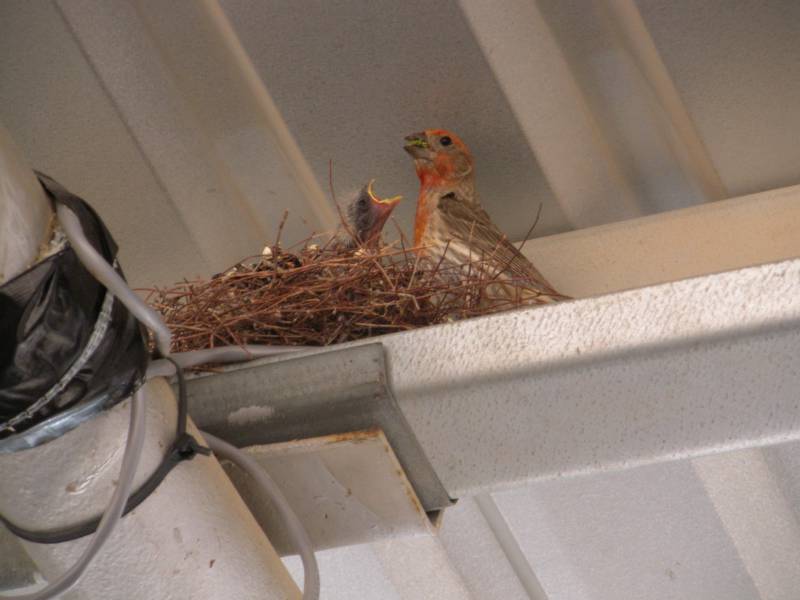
x=316, y=296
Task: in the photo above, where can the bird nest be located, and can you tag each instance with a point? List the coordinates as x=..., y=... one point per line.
x=316, y=296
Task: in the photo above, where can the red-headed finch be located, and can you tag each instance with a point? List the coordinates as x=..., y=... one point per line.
x=451, y=223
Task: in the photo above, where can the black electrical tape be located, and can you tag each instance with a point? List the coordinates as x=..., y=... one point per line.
x=185, y=447
x=48, y=315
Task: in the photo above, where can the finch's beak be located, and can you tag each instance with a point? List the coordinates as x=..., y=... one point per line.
x=381, y=209
x=417, y=146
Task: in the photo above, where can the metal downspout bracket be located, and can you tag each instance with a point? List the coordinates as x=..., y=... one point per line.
x=329, y=393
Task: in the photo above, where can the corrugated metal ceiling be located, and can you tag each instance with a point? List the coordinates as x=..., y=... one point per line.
x=192, y=126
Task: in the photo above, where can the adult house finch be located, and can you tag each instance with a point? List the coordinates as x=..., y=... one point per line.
x=365, y=217
x=451, y=223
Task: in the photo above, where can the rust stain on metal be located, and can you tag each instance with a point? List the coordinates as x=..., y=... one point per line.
x=410, y=493
x=366, y=435
x=357, y=437
x=412, y=496
x=376, y=432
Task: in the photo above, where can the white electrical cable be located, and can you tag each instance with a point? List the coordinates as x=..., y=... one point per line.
x=105, y=274
x=223, y=449
x=223, y=354
x=113, y=512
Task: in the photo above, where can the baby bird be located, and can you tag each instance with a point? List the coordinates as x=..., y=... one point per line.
x=365, y=217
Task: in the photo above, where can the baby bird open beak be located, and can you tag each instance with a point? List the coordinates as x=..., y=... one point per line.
x=383, y=204
x=380, y=209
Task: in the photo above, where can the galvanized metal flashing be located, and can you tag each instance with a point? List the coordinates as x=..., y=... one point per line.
x=335, y=392
x=346, y=489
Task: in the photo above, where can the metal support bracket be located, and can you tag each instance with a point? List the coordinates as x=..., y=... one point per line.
x=335, y=392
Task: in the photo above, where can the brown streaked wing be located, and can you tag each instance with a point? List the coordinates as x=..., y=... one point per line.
x=470, y=224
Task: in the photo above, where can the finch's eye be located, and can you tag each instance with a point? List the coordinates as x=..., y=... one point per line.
x=445, y=141
x=362, y=202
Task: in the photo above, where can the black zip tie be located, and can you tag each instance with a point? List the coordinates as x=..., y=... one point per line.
x=185, y=447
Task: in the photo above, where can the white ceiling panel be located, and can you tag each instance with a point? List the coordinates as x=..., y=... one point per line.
x=352, y=78
x=649, y=533
x=736, y=64
x=191, y=126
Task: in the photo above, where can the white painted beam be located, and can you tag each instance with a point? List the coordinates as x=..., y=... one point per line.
x=171, y=537
x=661, y=373
x=203, y=121
x=552, y=111
x=633, y=105
x=24, y=219
x=709, y=238
x=193, y=537
x=477, y=553
x=666, y=372
x=24, y=211
x=245, y=127
x=757, y=514
x=669, y=112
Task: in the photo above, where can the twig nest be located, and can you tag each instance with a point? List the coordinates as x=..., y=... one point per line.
x=325, y=295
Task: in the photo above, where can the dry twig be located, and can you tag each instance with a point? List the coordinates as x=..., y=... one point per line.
x=324, y=295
